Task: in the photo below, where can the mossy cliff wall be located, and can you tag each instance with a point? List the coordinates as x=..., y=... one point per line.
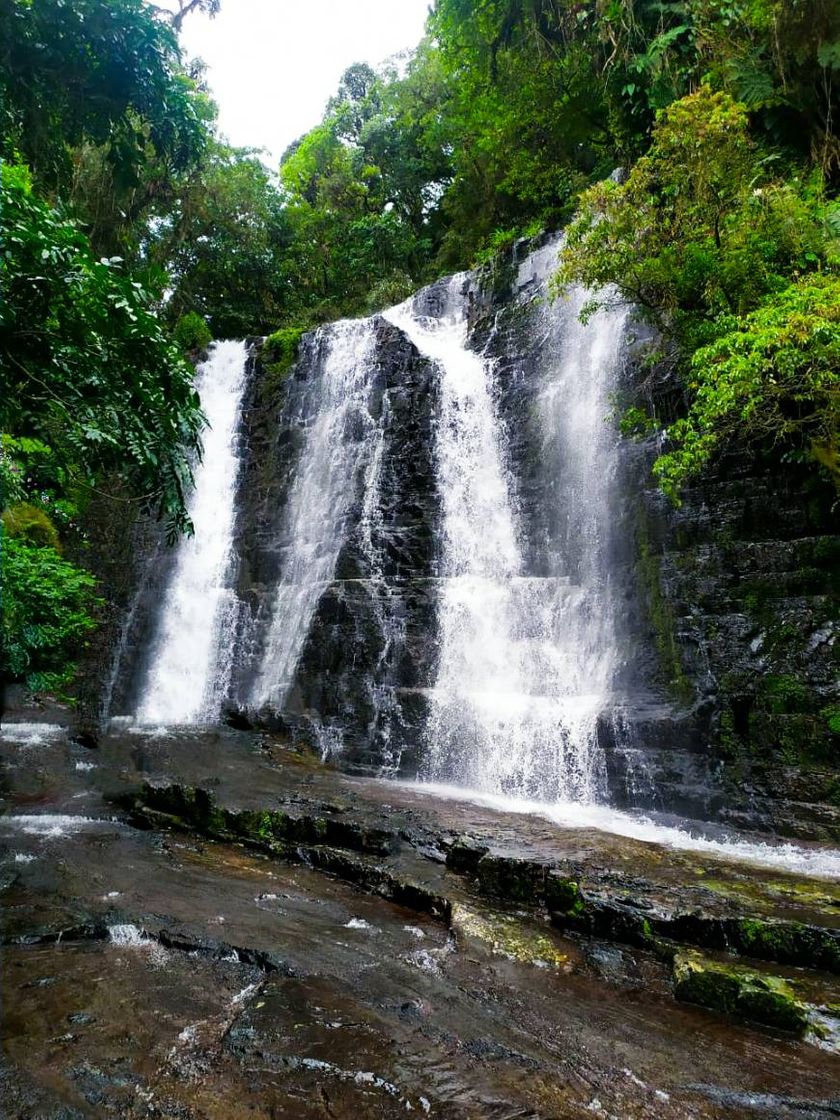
x=740, y=585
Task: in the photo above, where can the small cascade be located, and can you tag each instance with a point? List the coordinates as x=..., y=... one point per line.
x=190, y=663
x=339, y=444
x=525, y=660
x=382, y=596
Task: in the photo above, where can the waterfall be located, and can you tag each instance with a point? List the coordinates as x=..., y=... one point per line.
x=504, y=645
x=190, y=664
x=525, y=660
x=339, y=443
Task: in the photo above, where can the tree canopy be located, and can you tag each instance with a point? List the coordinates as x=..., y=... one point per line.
x=132, y=232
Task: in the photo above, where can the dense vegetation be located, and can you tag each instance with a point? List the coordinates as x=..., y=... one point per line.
x=100, y=126
x=131, y=233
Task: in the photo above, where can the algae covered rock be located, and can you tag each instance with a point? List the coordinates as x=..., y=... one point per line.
x=509, y=936
x=735, y=990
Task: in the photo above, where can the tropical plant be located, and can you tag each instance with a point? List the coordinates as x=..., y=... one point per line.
x=86, y=366
x=46, y=614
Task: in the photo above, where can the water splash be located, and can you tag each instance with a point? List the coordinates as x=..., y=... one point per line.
x=30, y=734
x=190, y=666
x=52, y=825
x=815, y=862
x=340, y=431
x=127, y=935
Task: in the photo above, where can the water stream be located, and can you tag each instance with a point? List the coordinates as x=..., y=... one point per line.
x=190, y=663
x=526, y=660
x=339, y=434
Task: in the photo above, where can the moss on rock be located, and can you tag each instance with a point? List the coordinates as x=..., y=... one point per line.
x=31, y=525
x=508, y=936
x=738, y=992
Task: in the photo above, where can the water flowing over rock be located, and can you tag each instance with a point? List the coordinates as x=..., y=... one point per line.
x=340, y=441
x=430, y=549
x=525, y=664
x=190, y=655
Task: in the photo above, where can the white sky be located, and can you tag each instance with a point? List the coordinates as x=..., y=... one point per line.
x=272, y=64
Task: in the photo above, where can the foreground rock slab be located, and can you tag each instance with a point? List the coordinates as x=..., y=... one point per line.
x=354, y=961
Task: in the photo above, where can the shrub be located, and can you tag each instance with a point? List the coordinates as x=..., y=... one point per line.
x=192, y=333
x=46, y=613
x=831, y=715
x=772, y=378
x=280, y=349
x=389, y=291
x=784, y=695
x=28, y=523
x=85, y=364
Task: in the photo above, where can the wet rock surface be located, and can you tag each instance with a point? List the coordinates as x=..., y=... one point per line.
x=741, y=592
x=373, y=952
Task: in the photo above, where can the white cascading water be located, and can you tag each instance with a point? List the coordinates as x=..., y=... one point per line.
x=525, y=662
x=338, y=442
x=190, y=666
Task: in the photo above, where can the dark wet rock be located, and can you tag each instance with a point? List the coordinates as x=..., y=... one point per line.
x=277, y=974
x=85, y=739
x=770, y=1104
x=381, y=881
x=196, y=808
x=516, y=880
x=741, y=587
x=84, y=931
x=8, y=877
x=260, y=959
x=465, y=854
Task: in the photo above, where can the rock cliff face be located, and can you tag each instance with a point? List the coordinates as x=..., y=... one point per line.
x=741, y=586
x=369, y=647
x=724, y=700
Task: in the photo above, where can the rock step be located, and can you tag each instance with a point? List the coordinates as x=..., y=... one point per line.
x=748, y=991
x=430, y=870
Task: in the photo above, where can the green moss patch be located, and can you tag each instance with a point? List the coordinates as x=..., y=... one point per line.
x=738, y=992
x=30, y=524
x=279, y=354
x=508, y=936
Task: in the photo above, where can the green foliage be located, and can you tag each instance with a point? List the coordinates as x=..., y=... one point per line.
x=86, y=366
x=46, y=613
x=361, y=192
x=11, y=478
x=723, y=259
x=499, y=241
x=635, y=422
x=191, y=333
x=281, y=348
x=698, y=228
x=27, y=523
x=225, y=244
x=831, y=715
x=106, y=74
x=389, y=291
x=32, y=470
x=773, y=378
x=784, y=695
